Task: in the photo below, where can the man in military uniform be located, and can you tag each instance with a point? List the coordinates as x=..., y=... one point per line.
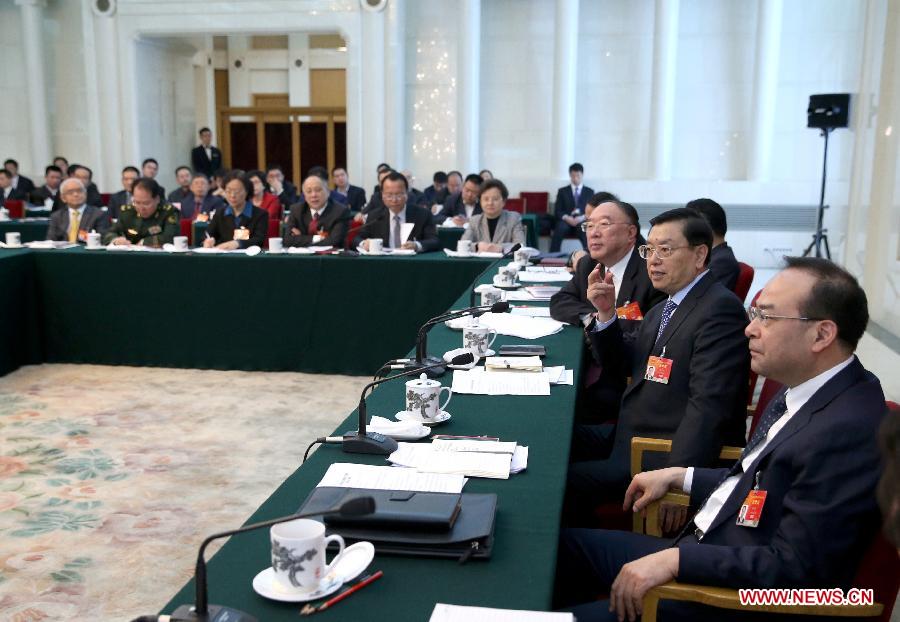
x=148, y=220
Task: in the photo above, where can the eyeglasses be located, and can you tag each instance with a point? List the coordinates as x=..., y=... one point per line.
x=398, y=196
x=661, y=251
x=600, y=226
x=235, y=193
x=755, y=313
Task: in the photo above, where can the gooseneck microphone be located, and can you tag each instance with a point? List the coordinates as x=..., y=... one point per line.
x=202, y=611
x=506, y=255
x=362, y=442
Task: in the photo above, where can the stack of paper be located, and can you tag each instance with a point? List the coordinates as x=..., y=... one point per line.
x=480, y=382
x=459, y=613
x=519, y=454
x=560, y=375
x=483, y=255
x=542, y=292
x=545, y=277
x=548, y=269
x=347, y=475
x=530, y=311
x=521, y=326
x=424, y=459
x=513, y=363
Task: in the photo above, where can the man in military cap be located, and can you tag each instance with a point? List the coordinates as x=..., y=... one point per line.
x=148, y=220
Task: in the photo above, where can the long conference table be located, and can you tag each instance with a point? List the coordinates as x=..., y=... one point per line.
x=195, y=301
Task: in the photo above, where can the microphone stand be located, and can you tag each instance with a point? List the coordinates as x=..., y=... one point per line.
x=506, y=255
x=362, y=442
x=202, y=611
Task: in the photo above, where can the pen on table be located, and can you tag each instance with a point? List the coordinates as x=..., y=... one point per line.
x=309, y=609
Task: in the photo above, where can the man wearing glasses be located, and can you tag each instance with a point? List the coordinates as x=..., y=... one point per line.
x=612, y=233
x=401, y=226
x=813, y=460
x=73, y=223
x=688, y=365
x=147, y=221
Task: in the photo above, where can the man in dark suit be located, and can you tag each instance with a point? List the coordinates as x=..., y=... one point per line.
x=73, y=223
x=461, y=206
x=387, y=224
x=722, y=263
x=122, y=198
x=183, y=178
x=688, y=365
x=86, y=176
x=569, y=208
x=50, y=190
x=612, y=229
x=280, y=187
x=200, y=201
x=355, y=197
x=436, y=193
x=317, y=221
x=205, y=158
x=21, y=184
x=814, y=456
x=7, y=191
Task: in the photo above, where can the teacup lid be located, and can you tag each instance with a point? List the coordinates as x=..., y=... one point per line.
x=423, y=381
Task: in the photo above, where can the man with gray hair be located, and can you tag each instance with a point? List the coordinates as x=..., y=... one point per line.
x=318, y=220
x=73, y=223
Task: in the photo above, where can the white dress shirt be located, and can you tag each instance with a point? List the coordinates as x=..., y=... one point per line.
x=795, y=398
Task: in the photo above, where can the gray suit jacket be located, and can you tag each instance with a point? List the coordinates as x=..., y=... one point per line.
x=509, y=231
x=93, y=218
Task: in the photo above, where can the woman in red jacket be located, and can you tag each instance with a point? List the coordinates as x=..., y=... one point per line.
x=262, y=198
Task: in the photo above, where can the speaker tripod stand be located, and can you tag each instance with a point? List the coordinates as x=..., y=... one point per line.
x=820, y=237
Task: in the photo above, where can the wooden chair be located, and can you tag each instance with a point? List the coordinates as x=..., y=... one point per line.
x=744, y=281
x=879, y=571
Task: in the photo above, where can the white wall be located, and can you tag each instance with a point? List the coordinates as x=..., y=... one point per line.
x=166, y=113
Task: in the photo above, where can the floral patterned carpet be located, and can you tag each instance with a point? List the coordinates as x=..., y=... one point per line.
x=107, y=471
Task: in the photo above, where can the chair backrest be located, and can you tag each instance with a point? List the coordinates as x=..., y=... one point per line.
x=352, y=233
x=744, y=281
x=515, y=205
x=104, y=198
x=769, y=389
x=274, y=231
x=187, y=229
x=15, y=207
x=535, y=202
x=879, y=571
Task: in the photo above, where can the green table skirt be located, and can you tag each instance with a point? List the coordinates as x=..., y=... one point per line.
x=20, y=342
x=270, y=312
x=31, y=229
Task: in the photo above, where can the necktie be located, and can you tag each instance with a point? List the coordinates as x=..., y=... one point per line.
x=774, y=412
x=668, y=310
x=74, y=221
x=314, y=225
x=577, y=194
x=395, y=234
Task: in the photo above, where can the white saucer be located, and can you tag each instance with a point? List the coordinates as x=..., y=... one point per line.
x=506, y=287
x=264, y=585
x=405, y=415
x=357, y=558
x=488, y=352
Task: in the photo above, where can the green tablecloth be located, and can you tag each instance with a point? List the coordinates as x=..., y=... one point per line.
x=270, y=312
x=31, y=229
x=520, y=573
x=19, y=330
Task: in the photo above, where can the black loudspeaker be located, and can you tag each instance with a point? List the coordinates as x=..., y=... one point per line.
x=828, y=111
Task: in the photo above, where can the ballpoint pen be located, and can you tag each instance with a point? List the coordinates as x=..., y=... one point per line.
x=310, y=609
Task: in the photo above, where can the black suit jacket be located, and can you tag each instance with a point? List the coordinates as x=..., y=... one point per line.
x=356, y=198
x=570, y=302
x=724, y=266
x=203, y=164
x=288, y=195
x=335, y=219
x=24, y=186
x=93, y=219
x=424, y=232
x=565, y=200
x=704, y=405
x=820, y=472
x=454, y=206
x=221, y=227
x=189, y=208
x=117, y=201
x=38, y=196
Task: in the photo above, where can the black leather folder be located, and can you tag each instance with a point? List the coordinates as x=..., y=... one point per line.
x=411, y=531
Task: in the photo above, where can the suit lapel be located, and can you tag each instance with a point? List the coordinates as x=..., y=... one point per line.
x=629, y=280
x=684, y=309
x=820, y=399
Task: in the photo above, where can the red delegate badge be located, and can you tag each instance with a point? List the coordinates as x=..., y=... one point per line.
x=751, y=510
x=629, y=311
x=658, y=369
